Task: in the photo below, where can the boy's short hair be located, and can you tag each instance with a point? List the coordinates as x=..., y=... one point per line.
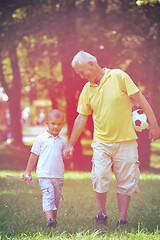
x=83, y=57
x=56, y=113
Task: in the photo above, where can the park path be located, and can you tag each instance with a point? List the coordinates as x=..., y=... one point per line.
x=31, y=132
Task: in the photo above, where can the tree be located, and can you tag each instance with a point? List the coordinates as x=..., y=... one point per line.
x=52, y=32
x=14, y=94
x=15, y=27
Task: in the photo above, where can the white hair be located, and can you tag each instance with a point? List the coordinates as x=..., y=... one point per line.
x=83, y=57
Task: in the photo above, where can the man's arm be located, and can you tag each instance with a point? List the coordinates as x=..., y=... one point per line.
x=78, y=128
x=154, y=130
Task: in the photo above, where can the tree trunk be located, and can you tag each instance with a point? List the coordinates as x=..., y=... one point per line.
x=15, y=115
x=70, y=87
x=67, y=47
x=14, y=99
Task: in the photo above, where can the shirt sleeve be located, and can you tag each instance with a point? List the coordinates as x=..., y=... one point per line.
x=83, y=103
x=36, y=148
x=129, y=86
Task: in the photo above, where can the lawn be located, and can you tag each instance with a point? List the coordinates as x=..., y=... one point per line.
x=21, y=214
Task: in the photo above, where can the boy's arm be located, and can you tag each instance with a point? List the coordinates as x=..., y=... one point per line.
x=78, y=128
x=154, y=130
x=31, y=162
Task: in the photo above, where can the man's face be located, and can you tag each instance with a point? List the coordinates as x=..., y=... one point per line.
x=86, y=71
x=55, y=125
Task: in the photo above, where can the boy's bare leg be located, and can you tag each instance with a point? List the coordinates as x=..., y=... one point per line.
x=123, y=204
x=101, y=201
x=50, y=215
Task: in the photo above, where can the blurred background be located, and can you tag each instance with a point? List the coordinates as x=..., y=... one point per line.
x=38, y=40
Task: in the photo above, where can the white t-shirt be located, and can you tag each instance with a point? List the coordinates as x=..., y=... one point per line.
x=50, y=151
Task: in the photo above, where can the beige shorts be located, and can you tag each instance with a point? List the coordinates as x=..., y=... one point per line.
x=124, y=159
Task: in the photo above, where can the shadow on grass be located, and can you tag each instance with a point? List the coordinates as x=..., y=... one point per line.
x=151, y=170
x=14, y=157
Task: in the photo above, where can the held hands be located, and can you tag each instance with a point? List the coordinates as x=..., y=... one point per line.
x=68, y=152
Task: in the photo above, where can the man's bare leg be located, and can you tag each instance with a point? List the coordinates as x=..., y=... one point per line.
x=101, y=201
x=123, y=204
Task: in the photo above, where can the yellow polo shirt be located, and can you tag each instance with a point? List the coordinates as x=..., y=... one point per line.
x=110, y=104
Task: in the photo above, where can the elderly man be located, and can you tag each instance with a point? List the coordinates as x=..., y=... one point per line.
x=107, y=96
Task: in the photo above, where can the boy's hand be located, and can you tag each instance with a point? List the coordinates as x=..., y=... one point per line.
x=27, y=177
x=68, y=152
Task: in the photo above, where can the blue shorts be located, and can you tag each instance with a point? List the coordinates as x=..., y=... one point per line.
x=51, y=192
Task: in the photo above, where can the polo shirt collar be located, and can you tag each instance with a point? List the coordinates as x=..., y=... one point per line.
x=51, y=136
x=104, y=78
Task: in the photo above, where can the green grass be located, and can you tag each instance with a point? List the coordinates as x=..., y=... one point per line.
x=21, y=214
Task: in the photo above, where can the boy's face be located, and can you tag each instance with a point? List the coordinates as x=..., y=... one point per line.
x=55, y=125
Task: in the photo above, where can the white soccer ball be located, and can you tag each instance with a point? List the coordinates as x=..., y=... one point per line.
x=139, y=120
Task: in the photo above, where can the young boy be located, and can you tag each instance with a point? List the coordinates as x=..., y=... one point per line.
x=48, y=150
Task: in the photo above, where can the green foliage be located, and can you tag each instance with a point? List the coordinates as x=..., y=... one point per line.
x=145, y=2
x=7, y=70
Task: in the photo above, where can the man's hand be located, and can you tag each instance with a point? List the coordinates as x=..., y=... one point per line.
x=154, y=132
x=68, y=152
